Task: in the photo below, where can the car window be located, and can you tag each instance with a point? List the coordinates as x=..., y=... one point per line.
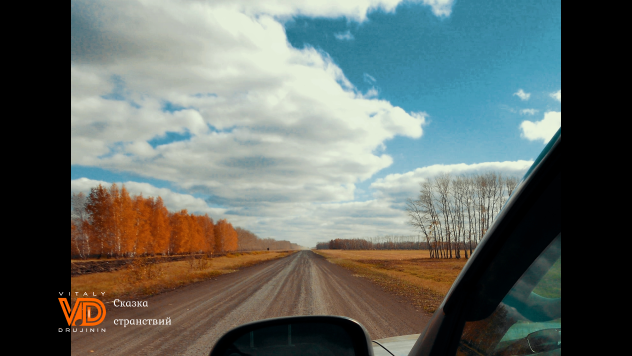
x=528, y=321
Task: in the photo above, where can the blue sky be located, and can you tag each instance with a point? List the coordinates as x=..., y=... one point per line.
x=308, y=121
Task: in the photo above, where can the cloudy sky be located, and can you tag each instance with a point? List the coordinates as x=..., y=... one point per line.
x=308, y=120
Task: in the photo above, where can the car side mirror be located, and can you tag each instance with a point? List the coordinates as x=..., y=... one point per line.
x=300, y=335
x=545, y=340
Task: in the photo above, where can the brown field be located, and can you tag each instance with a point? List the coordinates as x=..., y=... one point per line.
x=409, y=273
x=149, y=279
x=386, y=255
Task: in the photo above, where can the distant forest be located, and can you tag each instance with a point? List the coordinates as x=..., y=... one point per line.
x=110, y=223
x=389, y=242
x=451, y=215
x=247, y=241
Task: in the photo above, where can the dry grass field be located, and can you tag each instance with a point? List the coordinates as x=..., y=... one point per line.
x=386, y=255
x=106, y=258
x=143, y=279
x=409, y=273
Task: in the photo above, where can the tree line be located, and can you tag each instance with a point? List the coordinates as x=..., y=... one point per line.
x=452, y=214
x=388, y=242
x=248, y=241
x=109, y=222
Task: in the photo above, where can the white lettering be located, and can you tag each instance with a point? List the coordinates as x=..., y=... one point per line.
x=126, y=322
x=133, y=303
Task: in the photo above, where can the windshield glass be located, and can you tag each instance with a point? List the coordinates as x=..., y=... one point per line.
x=528, y=319
x=239, y=160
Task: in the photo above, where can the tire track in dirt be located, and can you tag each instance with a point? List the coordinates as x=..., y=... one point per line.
x=301, y=284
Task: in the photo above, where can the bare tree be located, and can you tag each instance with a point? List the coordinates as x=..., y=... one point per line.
x=510, y=184
x=469, y=198
x=459, y=197
x=454, y=213
x=419, y=219
x=427, y=201
x=443, y=187
x=80, y=216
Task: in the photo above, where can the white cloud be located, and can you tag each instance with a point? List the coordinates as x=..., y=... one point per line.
x=544, y=129
x=371, y=93
x=557, y=95
x=368, y=78
x=264, y=118
x=522, y=95
x=351, y=9
x=398, y=187
x=440, y=7
x=344, y=36
x=173, y=201
x=529, y=111
x=274, y=129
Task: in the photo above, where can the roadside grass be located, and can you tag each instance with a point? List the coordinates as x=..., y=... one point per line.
x=141, y=279
x=411, y=274
x=106, y=258
x=385, y=255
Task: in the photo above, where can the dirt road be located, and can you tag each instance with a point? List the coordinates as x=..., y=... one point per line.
x=301, y=284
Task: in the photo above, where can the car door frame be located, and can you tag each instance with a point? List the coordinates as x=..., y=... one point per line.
x=527, y=224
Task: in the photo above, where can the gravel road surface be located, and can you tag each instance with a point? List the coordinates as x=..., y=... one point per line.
x=303, y=283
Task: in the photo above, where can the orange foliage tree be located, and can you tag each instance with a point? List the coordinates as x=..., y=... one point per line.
x=141, y=238
x=110, y=222
x=225, y=237
x=179, y=232
x=208, y=233
x=99, y=208
x=160, y=228
x=126, y=224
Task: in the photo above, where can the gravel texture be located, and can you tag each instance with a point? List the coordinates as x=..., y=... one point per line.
x=303, y=283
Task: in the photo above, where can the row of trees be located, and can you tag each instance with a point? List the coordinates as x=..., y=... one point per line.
x=454, y=213
x=379, y=243
x=389, y=242
x=247, y=241
x=110, y=222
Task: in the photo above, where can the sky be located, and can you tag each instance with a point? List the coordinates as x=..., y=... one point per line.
x=308, y=120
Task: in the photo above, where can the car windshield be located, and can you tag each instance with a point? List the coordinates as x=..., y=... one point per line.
x=234, y=161
x=528, y=319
